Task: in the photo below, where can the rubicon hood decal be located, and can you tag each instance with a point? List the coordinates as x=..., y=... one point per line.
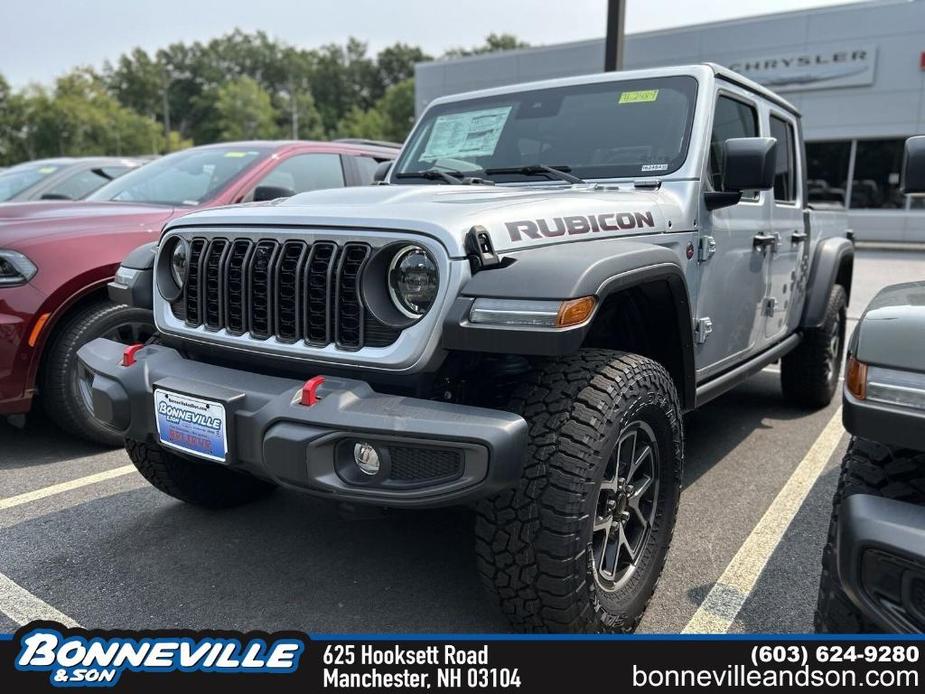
x=515, y=217
x=578, y=224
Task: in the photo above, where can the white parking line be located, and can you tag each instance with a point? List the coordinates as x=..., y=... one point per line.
x=23, y=607
x=53, y=489
x=721, y=606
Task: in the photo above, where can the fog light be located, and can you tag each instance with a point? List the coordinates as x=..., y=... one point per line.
x=367, y=458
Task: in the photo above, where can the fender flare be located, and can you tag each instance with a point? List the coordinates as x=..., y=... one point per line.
x=828, y=259
x=137, y=289
x=568, y=271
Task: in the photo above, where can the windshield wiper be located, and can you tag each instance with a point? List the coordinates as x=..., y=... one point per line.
x=560, y=172
x=102, y=174
x=452, y=177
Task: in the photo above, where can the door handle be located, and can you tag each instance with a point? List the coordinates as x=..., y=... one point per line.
x=798, y=237
x=763, y=240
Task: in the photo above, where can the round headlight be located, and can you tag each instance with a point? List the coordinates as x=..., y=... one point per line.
x=413, y=281
x=179, y=262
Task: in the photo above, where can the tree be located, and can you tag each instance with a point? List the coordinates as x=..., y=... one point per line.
x=137, y=81
x=78, y=117
x=244, y=111
x=180, y=84
x=397, y=109
x=396, y=63
x=343, y=77
x=11, y=124
x=390, y=118
x=299, y=118
x=364, y=124
x=240, y=85
x=493, y=42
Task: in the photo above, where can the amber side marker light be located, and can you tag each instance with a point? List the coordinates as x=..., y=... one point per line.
x=37, y=329
x=575, y=311
x=856, y=378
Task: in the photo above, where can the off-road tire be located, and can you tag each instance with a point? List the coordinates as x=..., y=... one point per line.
x=533, y=542
x=809, y=375
x=867, y=468
x=60, y=383
x=205, y=484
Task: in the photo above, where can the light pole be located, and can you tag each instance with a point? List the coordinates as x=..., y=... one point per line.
x=294, y=111
x=168, y=78
x=613, y=45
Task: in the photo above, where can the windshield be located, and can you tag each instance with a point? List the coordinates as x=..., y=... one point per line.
x=619, y=129
x=186, y=178
x=19, y=178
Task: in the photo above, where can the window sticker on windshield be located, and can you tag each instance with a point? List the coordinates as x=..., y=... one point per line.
x=655, y=167
x=45, y=170
x=471, y=134
x=235, y=155
x=639, y=97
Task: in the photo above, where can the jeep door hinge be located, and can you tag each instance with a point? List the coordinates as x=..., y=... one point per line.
x=706, y=249
x=702, y=329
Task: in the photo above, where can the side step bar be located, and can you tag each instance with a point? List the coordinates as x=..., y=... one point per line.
x=720, y=384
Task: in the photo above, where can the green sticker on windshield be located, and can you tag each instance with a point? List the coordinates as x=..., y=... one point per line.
x=235, y=155
x=639, y=97
x=45, y=170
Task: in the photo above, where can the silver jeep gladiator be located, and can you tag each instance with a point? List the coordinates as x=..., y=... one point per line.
x=516, y=318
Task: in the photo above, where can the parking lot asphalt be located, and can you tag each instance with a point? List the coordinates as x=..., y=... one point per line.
x=113, y=552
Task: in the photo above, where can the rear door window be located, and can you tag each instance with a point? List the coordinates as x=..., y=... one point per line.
x=306, y=172
x=366, y=169
x=82, y=183
x=785, y=169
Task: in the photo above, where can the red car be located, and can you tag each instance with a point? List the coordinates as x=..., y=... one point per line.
x=57, y=257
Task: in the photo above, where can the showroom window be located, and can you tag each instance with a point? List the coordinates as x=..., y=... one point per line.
x=875, y=184
x=827, y=171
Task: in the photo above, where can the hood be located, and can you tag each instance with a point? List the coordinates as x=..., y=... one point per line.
x=892, y=330
x=45, y=210
x=515, y=216
x=23, y=224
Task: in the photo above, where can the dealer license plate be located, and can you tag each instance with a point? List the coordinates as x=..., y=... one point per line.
x=191, y=425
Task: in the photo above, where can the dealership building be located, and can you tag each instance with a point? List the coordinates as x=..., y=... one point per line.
x=856, y=72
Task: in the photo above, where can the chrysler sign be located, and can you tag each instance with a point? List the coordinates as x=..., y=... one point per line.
x=848, y=66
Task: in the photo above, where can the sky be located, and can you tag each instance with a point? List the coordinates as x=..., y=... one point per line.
x=41, y=39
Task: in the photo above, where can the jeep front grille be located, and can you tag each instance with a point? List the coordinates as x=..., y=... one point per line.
x=291, y=290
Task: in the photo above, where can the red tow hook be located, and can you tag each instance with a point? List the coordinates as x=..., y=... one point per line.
x=310, y=391
x=128, y=356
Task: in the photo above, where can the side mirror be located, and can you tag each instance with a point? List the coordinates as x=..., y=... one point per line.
x=914, y=166
x=749, y=163
x=382, y=171
x=264, y=193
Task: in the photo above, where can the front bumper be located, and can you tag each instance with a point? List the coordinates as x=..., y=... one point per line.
x=311, y=447
x=881, y=560
x=893, y=425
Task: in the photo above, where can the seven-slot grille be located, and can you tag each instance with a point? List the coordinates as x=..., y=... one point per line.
x=290, y=290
